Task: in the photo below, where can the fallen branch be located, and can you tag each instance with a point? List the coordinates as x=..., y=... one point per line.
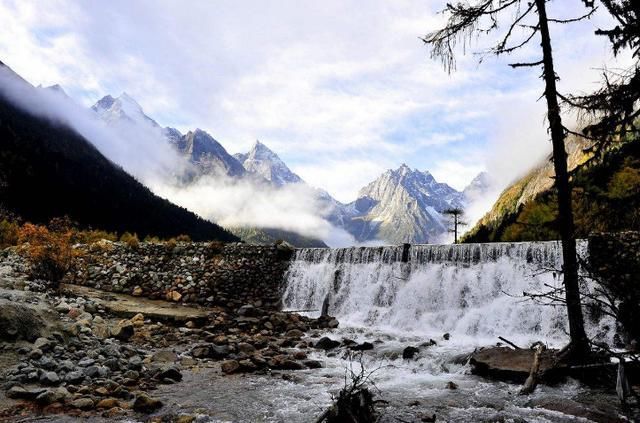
x=509, y=342
x=532, y=381
x=300, y=311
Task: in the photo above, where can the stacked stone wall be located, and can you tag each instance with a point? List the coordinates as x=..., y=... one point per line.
x=229, y=275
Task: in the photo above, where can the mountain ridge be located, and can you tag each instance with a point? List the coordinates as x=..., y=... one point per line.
x=48, y=170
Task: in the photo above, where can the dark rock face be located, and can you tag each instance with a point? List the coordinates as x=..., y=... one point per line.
x=236, y=276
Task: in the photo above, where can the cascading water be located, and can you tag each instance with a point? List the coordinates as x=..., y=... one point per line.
x=393, y=298
x=473, y=291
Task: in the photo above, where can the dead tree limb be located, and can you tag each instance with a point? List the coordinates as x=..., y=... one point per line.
x=509, y=342
x=532, y=381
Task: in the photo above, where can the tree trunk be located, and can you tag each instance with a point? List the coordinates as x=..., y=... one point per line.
x=455, y=228
x=579, y=341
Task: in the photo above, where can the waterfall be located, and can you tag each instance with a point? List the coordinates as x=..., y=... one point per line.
x=468, y=290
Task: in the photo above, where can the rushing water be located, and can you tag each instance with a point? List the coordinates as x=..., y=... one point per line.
x=472, y=291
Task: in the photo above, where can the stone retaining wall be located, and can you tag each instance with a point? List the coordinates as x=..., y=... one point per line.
x=228, y=275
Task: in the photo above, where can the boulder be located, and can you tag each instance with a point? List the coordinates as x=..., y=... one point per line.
x=365, y=346
x=18, y=392
x=229, y=366
x=164, y=356
x=245, y=347
x=201, y=351
x=137, y=320
x=289, y=365
x=326, y=343
x=74, y=377
x=169, y=372
x=49, y=378
x=82, y=403
x=52, y=395
x=174, y=296
x=25, y=321
x=219, y=351
x=108, y=403
x=409, y=353
x=312, y=364
x=146, y=404
x=123, y=331
x=294, y=334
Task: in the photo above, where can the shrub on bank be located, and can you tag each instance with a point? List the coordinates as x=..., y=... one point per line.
x=131, y=240
x=8, y=233
x=49, y=253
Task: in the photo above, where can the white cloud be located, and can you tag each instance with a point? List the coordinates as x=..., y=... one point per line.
x=340, y=90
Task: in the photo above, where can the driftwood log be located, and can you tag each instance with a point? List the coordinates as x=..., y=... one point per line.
x=532, y=381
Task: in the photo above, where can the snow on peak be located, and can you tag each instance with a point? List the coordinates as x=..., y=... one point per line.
x=264, y=162
x=122, y=109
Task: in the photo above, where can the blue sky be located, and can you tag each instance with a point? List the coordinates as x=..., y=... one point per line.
x=340, y=91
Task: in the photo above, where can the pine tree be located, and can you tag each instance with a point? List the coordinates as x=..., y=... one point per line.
x=486, y=16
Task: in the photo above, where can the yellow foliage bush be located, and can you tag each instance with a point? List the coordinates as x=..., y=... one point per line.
x=624, y=183
x=183, y=238
x=171, y=244
x=93, y=236
x=49, y=253
x=130, y=239
x=8, y=233
x=216, y=247
x=152, y=239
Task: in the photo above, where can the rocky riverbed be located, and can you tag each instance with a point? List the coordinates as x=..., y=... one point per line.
x=69, y=354
x=104, y=356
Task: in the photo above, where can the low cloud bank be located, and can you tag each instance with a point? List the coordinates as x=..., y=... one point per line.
x=143, y=152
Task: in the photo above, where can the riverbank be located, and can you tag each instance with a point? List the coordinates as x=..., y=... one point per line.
x=86, y=353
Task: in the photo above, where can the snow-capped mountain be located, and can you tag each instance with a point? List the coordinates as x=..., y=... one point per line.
x=114, y=110
x=479, y=186
x=56, y=88
x=207, y=155
x=402, y=205
x=260, y=160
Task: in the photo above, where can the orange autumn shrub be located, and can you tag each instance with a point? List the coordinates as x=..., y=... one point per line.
x=131, y=240
x=49, y=253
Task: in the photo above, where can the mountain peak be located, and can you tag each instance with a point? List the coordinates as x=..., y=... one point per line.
x=207, y=153
x=104, y=103
x=56, y=88
x=404, y=168
x=403, y=205
x=262, y=152
x=122, y=109
x=478, y=186
x=261, y=160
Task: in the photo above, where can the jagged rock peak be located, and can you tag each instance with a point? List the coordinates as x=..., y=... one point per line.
x=121, y=109
x=262, y=161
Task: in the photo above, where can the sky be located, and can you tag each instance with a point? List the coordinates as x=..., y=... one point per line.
x=341, y=90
